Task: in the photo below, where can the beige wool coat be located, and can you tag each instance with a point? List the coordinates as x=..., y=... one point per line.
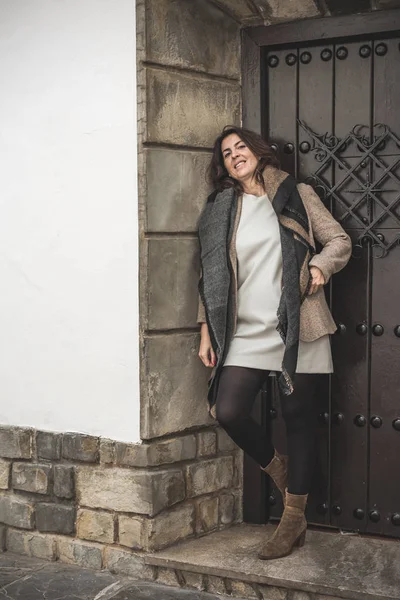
x=315, y=317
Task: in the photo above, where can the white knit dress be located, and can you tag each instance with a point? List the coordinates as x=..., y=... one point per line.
x=256, y=342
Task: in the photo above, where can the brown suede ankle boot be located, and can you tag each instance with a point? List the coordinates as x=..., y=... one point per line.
x=290, y=532
x=277, y=470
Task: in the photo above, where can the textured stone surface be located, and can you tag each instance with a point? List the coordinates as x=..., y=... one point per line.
x=76, y=552
x=206, y=443
x=48, y=445
x=152, y=534
x=241, y=589
x=16, y=512
x=15, y=442
x=209, y=476
x=55, y=517
x=63, y=481
x=31, y=477
x=243, y=11
x=95, y=526
x=172, y=266
x=270, y=592
x=216, y=585
x=226, y=508
x=31, y=544
x=167, y=577
x=362, y=568
x=127, y=490
x=122, y=562
x=155, y=453
x=209, y=29
x=225, y=443
x=107, y=451
x=207, y=515
x=170, y=526
x=27, y=578
x=76, y=446
x=302, y=596
x=3, y=532
x=290, y=10
x=4, y=474
x=194, y=581
x=178, y=102
x=176, y=189
x=175, y=385
x=132, y=532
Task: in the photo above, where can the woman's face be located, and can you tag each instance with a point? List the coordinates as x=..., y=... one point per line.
x=239, y=160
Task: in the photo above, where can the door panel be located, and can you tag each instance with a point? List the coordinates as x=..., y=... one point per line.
x=332, y=109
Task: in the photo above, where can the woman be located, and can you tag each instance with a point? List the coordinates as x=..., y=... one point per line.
x=263, y=310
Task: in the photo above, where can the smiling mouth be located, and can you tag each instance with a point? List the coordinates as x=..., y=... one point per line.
x=239, y=164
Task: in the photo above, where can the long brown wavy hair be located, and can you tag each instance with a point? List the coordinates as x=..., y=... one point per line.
x=217, y=173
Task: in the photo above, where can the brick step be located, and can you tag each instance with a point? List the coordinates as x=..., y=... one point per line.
x=330, y=566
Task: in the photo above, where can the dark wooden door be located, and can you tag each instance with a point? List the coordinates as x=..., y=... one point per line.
x=332, y=113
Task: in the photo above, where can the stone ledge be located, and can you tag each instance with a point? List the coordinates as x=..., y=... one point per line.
x=330, y=566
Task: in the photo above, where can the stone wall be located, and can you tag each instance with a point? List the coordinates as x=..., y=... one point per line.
x=189, y=82
x=92, y=501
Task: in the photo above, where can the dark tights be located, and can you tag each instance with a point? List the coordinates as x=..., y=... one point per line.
x=237, y=391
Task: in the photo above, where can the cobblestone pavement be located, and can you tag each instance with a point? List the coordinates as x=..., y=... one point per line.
x=23, y=578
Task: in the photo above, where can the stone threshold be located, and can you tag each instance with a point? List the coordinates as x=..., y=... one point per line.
x=330, y=566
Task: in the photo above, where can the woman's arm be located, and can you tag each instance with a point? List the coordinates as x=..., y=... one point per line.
x=337, y=247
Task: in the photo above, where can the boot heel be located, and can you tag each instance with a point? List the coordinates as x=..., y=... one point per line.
x=301, y=540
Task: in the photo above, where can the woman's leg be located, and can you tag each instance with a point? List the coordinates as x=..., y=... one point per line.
x=300, y=412
x=237, y=391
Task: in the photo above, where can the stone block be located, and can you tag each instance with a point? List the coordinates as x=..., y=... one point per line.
x=178, y=102
x=95, y=526
x=31, y=544
x=216, y=585
x=270, y=592
x=238, y=510
x=76, y=552
x=4, y=474
x=63, y=481
x=173, y=266
x=123, y=562
x=225, y=443
x=290, y=10
x=206, y=27
x=207, y=515
x=57, y=518
x=206, y=443
x=177, y=189
x=107, y=451
x=77, y=446
x=126, y=490
x=300, y=595
x=31, y=477
x=48, y=445
x=132, y=532
x=241, y=589
x=157, y=452
x=16, y=512
x=167, y=577
x=170, y=527
x=226, y=508
x=174, y=387
x=209, y=476
x=194, y=581
x=15, y=442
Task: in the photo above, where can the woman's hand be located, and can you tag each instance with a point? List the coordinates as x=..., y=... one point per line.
x=206, y=352
x=318, y=280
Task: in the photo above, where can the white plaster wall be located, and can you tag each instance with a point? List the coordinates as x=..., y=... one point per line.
x=69, y=347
